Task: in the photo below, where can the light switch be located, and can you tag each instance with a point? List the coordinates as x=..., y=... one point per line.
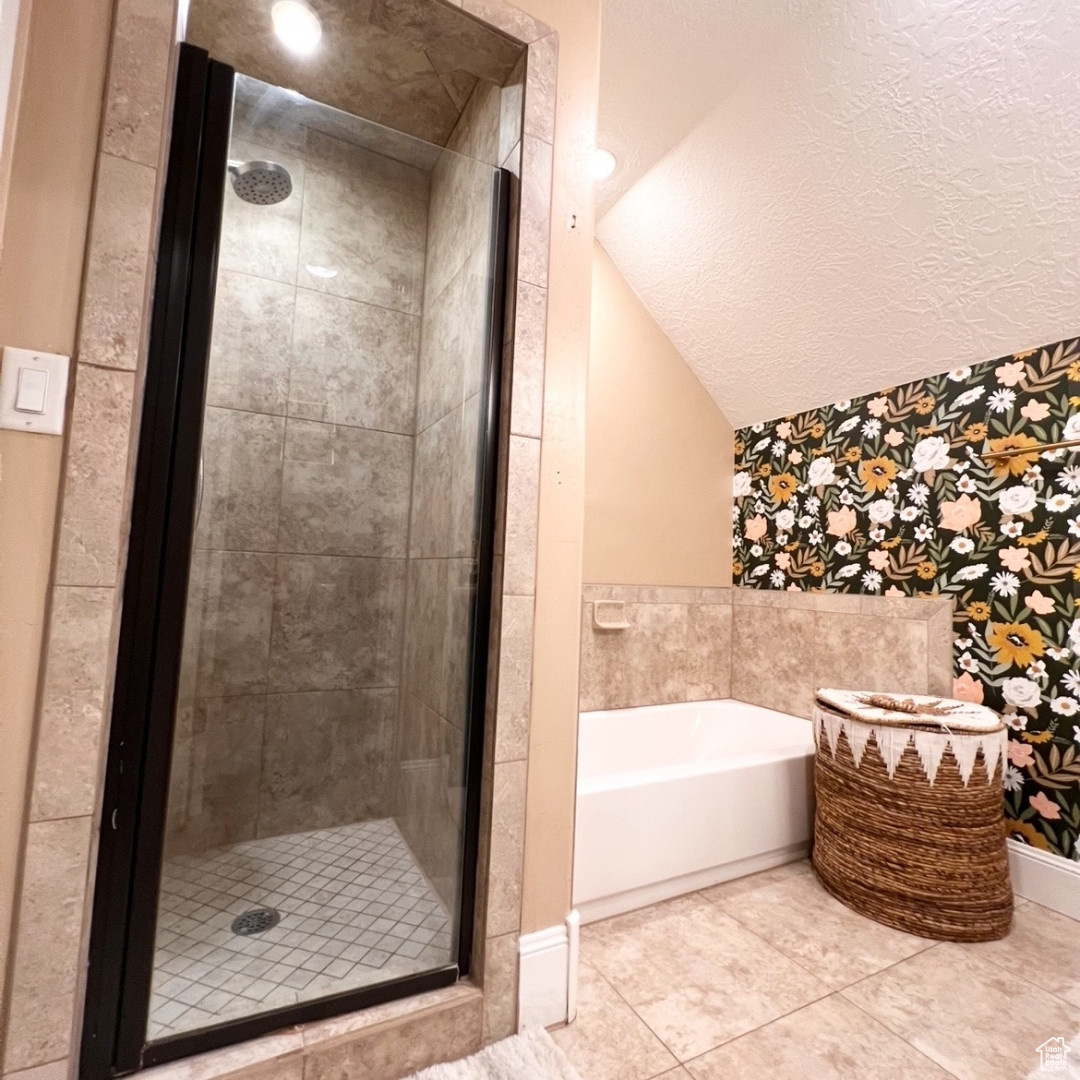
x=33, y=391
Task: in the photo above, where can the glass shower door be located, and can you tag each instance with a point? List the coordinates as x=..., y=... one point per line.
x=315, y=826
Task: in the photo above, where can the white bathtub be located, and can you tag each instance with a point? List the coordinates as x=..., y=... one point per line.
x=672, y=798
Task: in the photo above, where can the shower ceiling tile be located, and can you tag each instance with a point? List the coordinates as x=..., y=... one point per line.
x=403, y=63
x=353, y=363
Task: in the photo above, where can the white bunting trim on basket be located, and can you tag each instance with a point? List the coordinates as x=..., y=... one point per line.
x=892, y=741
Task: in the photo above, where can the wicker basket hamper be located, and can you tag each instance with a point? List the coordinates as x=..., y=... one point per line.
x=909, y=828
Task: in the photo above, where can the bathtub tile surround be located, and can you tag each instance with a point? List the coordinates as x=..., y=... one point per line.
x=48, y=954
x=889, y=494
x=676, y=648
x=697, y=644
x=874, y=1001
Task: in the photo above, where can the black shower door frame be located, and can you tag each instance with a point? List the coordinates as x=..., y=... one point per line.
x=131, y=840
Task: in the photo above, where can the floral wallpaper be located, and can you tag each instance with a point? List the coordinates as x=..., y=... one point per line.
x=892, y=494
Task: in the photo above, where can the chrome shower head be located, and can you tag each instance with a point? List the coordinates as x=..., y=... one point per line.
x=263, y=183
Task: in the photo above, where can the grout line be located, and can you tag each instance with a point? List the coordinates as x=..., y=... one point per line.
x=881, y=1023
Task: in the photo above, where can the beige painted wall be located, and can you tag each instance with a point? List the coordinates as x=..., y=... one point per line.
x=53, y=147
x=549, y=815
x=658, y=453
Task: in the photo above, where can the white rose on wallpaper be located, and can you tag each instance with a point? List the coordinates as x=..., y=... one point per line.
x=881, y=511
x=1023, y=693
x=931, y=453
x=848, y=424
x=1018, y=499
x=761, y=444
x=1074, y=636
x=785, y=520
x=742, y=485
x=1072, y=428
x=848, y=571
x=822, y=471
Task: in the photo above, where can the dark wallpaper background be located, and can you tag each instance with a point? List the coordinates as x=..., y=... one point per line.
x=890, y=494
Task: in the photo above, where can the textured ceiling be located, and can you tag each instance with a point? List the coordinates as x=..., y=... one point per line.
x=893, y=191
x=408, y=64
x=664, y=64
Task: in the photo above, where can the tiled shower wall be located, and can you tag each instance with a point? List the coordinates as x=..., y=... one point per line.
x=434, y=681
x=289, y=694
x=768, y=648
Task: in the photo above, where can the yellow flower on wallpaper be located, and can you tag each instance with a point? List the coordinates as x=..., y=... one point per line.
x=817, y=429
x=924, y=405
x=783, y=486
x=978, y=611
x=1018, y=464
x=1028, y=833
x=877, y=473
x=852, y=454
x=927, y=570
x=817, y=568
x=975, y=432
x=1015, y=643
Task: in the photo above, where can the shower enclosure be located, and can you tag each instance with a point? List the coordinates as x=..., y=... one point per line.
x=292, y=801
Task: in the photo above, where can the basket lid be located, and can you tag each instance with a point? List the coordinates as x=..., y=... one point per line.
x=910, y=710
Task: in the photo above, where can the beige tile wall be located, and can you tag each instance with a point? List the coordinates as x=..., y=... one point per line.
x=49, y=950
x=294, y=632
x=434, y=678
x=769, y=648
x=677, y=646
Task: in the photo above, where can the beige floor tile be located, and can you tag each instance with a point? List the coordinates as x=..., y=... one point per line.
x=678, y=1073
x=792, y=912
x=608, y=1041
x=970, y=1016
x=695, y=975
x=828, y=1040
x=1043, y=947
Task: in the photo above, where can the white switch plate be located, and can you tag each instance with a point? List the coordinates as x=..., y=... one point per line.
x=23, y=364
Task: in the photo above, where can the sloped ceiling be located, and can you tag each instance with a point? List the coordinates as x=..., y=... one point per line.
x=886, y=190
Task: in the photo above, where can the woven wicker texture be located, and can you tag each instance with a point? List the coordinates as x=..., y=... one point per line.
x=927, y=859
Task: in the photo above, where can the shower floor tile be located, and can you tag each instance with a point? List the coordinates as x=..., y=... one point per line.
x=355, y=909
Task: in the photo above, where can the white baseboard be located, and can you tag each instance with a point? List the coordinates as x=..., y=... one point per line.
x=547, y=975
x=1047, y=879
x=604, y=907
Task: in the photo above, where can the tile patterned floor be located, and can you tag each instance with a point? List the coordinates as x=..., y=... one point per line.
x=355, y=909
x=770, y=976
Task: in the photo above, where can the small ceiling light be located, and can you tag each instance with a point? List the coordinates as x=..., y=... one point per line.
x=603, y=164
x=297, y=26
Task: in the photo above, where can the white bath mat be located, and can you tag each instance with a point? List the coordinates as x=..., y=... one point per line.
x=529, y=1056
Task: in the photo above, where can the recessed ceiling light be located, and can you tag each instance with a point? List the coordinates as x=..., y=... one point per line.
x=603, y=164
x=297, y=26
x=321, y=272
